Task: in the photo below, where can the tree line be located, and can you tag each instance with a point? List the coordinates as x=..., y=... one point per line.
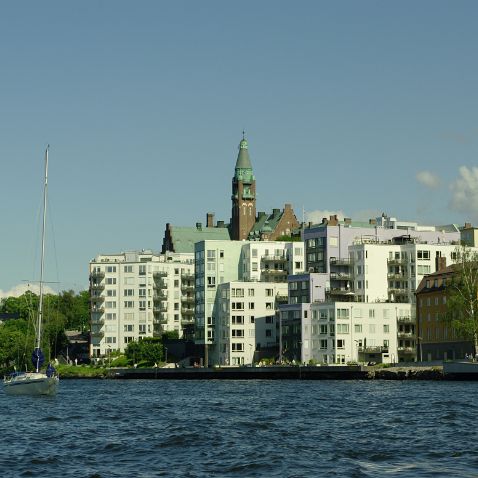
x=65, y=311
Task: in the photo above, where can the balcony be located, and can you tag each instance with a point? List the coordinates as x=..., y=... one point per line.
x=187, y=321
x=188, y=299
x=160, y=319
x=399, y=291
x=97, y=310
x=97, y=333
x=162, y=307
x=406, y=350
x=340, y=291
x=397, y=262
x=278, y=258
x=335, y=261
x=97, y=286
x=377, y=349
x=406, y=320
x=341, y=275
x=187, y=276
x=97, y=298
x=160, y=274
x=160, y=284
x=158, y=296
x=188, y=288
x=97, y=321
x=400, y=276
x=97, y=275
x=187, y=311
x=405, y=335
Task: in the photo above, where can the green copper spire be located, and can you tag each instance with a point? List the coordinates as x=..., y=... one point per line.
x=243, y=160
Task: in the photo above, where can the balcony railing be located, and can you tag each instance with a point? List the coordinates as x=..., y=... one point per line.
x=188, y=311
x=185, y=276
x=340, y=291
x=405, y=335
x=97, y=298
x=406, y=350
x=341, y=275
x=160, y=284
x=97, y=310
x=187, y=320
x=397, y=262
x=377, y=349
x=187, y=288
x=187, y=299
x=97, y=275
x=399, y=276
x=159, y=274
x=97, y=286
x=399, y=291
x=158, y=296
x=97, y=333
x=274, y=258
x=406, y=320
x=335, y=261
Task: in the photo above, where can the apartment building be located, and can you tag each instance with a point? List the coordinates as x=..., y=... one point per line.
x=437, y=340
x=341, y=332
x=246, y=321
x=139, y=294
x=219, y=262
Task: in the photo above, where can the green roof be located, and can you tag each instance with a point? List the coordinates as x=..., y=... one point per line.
x=243, y=160
x=184, y=238
x=265, y=223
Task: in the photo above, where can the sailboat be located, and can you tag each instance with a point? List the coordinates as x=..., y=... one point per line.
x=37, y=382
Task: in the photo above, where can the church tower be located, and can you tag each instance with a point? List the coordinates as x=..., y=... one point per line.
x=243, y=195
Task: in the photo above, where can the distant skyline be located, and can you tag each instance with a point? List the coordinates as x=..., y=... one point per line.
x=350, y=107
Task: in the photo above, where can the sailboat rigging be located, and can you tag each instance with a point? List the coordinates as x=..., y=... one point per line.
x=37, y=382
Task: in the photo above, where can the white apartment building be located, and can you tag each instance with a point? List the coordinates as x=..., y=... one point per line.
x=381, y=271
x=218, y=262
x=341, y=332
x=246, y=321
x=139, y=294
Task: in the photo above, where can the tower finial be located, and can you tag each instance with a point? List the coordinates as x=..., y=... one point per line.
x=243, y=134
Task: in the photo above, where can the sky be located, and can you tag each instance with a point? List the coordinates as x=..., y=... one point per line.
x=349, y=107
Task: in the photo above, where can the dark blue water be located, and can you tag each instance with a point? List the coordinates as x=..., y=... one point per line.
x=243, y=429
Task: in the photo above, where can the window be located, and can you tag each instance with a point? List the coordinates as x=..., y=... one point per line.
x=342, y=313
x=237, y=319
x=269, y=292
x=371, y=313
x=110, y=340
x=268, y=333
x=342, y=328
x=358, y=328
x=270, y=319
x=323, y=344
x=128, y=304
x=254, y=267
x=128, y=292
x=128, y=327
x=111, y=316
x=237, y=292
x=340, y=343
x=211, y=255
x=251, y=305
x=111, y=280
x=142, y=270
x=323, y=329
x=111, y=269
x=142, y=292
x=110, y=305
x=211, y=281
x=237, y=332
x=423, y=255
x=111, y=292
x=142, y=305
x=237, y=347
x=128, y=268
x=386, y=329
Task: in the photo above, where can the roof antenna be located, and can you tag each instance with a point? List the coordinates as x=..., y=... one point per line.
x=243, y=133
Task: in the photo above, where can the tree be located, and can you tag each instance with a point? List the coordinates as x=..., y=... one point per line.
x=462, y=296
x=149, y=350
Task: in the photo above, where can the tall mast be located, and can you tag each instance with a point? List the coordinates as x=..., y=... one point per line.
x=42, y=263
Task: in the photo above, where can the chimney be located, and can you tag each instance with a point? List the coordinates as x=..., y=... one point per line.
x=347, y=220
x=467, y=225
x=220, y=223
x=440, y=263
x=199, y=226
x=372, y=222
x=275, y=212
x=210, y=219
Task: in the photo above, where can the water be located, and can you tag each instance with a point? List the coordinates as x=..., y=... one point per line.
x=102, y=428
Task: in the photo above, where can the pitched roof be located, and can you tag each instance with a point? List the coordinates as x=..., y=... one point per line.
x=243, y=160
x=184, y=238
x=265, y=223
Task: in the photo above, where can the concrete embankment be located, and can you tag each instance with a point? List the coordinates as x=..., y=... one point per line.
x=405, y=373
x=351, y=372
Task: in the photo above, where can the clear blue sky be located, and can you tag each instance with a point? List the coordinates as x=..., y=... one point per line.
x=358, y=107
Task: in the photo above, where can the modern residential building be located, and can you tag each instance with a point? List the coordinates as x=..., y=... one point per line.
x=342, y=332
x=139, y=294
x=437, y=340
x=246, y=321
x=219, y=262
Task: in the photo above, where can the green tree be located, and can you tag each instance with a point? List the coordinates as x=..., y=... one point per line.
x=462, y=296
x=149, y=350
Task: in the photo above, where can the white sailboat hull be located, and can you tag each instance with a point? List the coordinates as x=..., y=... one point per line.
x=31, y=383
